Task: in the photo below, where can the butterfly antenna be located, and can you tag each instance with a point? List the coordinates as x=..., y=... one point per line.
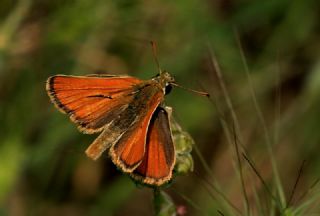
x=154, y=52
x=191, y=90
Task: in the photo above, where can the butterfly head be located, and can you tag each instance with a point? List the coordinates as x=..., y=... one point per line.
x=165, y=80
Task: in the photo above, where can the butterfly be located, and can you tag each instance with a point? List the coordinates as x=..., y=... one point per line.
x=130, y=116
x=127, y=111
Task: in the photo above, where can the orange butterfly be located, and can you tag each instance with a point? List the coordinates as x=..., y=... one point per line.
x=128, y=111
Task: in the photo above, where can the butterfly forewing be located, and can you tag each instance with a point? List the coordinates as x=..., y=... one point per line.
x=93, y=101
x=159, y=158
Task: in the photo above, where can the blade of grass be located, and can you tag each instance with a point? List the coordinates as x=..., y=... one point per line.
x=258, y=201
x=227, y=132
x=296, y=183
x=277, y=113
x=277, y=110
x=310, y=189
x=214, y=185
x=228, y=136
x=274, y=198
x=223, y=197
x=220, y=212
x=264, y=126
x=244, y=192
x=236, y=124
x=306, y=206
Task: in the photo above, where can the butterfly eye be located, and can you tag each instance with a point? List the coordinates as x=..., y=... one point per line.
x=168, y=89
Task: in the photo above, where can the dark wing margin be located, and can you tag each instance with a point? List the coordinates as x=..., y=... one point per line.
x=159, y=158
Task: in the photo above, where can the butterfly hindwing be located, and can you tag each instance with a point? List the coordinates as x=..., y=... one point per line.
x=126, y=134
x=129, y=150
x=91, y=101
x=159, y=158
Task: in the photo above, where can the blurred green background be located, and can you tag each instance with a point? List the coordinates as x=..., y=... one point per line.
x=43, y=168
